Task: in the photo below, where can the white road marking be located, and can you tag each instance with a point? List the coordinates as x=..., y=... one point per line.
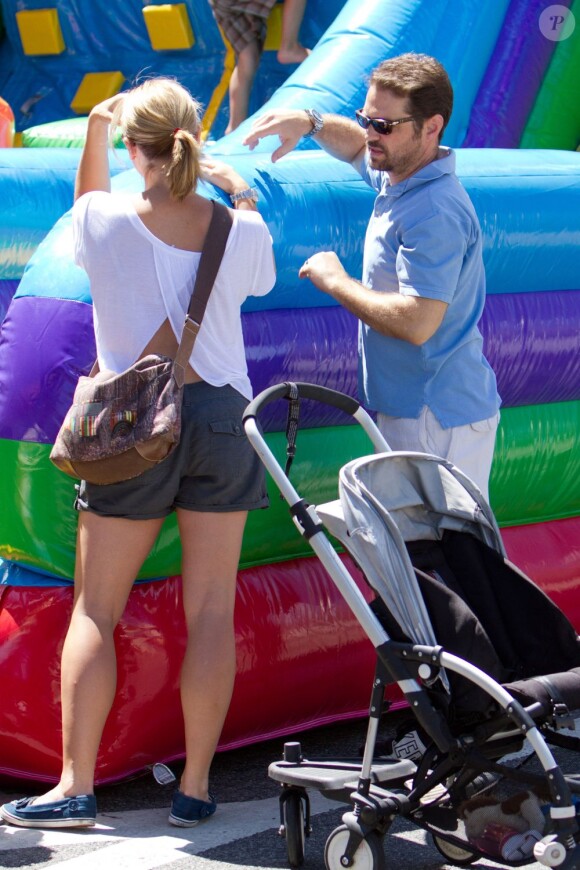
x=144, y=839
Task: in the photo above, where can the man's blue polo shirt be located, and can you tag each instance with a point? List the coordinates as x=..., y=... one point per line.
x=424, y=239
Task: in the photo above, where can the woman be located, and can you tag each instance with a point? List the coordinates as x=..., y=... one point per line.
x=141, y=253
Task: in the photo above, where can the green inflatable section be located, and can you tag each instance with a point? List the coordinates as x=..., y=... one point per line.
x=554, y=121
x=534, y=479
x=69, y=133
x=536, y=465
x=38, y=523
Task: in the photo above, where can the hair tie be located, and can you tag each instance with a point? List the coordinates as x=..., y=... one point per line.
x=177, y=129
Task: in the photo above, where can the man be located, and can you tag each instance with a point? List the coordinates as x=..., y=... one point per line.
x=423, y=286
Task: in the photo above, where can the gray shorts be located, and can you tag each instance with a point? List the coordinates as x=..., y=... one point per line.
x=213, y=469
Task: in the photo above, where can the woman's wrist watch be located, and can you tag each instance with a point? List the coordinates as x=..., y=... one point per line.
x=250, y=193
x=316, y=120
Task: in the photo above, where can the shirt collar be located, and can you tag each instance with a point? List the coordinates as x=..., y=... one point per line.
x=444, y=165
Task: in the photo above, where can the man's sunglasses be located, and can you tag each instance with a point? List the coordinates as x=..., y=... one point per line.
x=379, y=125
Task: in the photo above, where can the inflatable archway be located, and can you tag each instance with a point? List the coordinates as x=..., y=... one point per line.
x=302, y=659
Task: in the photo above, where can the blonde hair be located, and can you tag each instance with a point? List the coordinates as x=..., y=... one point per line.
x=163, y=119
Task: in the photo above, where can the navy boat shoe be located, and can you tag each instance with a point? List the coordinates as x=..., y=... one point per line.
x=71, y=812
x=188, y=811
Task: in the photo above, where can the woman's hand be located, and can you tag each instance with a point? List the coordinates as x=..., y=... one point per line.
x=225, y=177
x=93, y=171
x=222, y=175
x=103, y=111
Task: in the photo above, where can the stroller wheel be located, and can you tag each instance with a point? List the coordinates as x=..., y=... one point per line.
x=294, y=828
x=368, y=856
x=454, y=854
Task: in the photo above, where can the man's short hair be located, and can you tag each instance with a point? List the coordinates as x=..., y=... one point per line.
x=422, y=80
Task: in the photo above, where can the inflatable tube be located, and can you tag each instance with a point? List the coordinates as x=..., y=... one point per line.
x=549, y=553
x=554, y=121
x=530, y=440
x=516, y=69
x=525, y=249
x=7, y=291
x=37, y=189
x=460, y=33
x=531, y=341
x=313, y=629
x=534, y=479
x=6, y=125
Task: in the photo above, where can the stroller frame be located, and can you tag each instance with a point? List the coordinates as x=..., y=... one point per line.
x=380, y=789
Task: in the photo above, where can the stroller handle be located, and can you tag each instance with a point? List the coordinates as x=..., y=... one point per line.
x=305, y=391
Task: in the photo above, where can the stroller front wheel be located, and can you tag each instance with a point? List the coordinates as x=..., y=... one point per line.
x=294, y=828
x=368, y=856
x=453, y=853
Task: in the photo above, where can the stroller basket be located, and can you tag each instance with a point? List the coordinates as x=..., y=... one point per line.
x=480, y=675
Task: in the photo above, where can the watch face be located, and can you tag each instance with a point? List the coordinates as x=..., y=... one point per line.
x=315, y=120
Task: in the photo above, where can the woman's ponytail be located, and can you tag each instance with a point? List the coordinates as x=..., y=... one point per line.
x=184, y=167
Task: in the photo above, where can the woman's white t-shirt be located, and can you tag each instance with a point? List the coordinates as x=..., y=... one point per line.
x=137, y=281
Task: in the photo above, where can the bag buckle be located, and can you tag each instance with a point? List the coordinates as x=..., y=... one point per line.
x=191, y=325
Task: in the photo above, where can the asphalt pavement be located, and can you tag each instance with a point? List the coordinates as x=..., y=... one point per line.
x=132, y=832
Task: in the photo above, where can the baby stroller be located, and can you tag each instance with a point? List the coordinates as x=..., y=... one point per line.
x=482, y=656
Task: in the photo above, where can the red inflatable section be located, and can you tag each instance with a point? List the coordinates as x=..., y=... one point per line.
x=6, y=125
x=303, y=661
x=549, y=553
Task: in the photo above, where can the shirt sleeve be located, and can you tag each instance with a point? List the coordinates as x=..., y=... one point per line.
x=256, y=254
x=79, y=217
x=431, y=255
x=373, y=177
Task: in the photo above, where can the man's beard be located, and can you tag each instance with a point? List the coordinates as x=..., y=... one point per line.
x=401, y=164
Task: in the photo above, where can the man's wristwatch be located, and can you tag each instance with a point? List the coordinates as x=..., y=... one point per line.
x=248, y=193
x=316, y=120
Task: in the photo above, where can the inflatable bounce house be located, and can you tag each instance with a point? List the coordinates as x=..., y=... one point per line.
x=302, y=660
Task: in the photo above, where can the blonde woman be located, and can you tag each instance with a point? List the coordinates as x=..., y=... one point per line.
x=141, y=253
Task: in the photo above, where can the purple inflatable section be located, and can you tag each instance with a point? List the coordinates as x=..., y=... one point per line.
x=530, y=339
x=53, y=342
x=7, y=291
x=512, y=79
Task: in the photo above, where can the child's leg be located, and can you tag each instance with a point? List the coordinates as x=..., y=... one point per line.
x=290, y=50
x=241, y=84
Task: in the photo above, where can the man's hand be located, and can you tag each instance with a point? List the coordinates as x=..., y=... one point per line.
x=411, y=318
x=325, y=271
x=290, y=126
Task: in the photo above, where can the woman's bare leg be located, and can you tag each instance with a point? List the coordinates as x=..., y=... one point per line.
x=291, y=51
x=110, y=552
x=211, y=545
x=241, y=83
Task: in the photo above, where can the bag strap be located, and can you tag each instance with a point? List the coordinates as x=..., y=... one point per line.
x=211, y=257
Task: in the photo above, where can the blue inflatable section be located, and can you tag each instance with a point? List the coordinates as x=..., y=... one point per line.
x=101, y=36
x=459, y=33
x=37, y=188
x=527, y=203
